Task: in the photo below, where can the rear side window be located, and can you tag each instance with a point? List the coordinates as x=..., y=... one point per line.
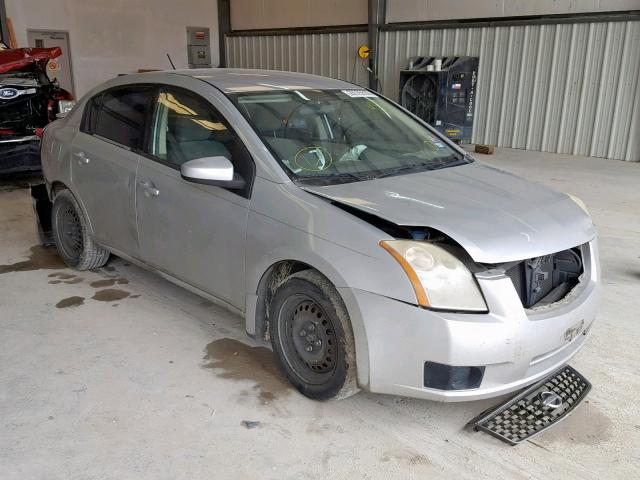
x=122, y=115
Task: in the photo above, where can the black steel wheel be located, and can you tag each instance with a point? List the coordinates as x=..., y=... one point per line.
x=71, y=231
x=312, y=338
x=71, y=234
x=308, y=338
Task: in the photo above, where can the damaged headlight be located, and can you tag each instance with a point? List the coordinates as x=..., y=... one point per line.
x=438, y=278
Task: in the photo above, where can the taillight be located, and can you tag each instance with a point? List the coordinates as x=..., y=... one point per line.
x=64, y=107
x=51, y=110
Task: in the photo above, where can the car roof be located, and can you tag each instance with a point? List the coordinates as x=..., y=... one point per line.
x=234, y=80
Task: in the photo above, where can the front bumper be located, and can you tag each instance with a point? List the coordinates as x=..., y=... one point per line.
x=516, y=346
x=20, y=154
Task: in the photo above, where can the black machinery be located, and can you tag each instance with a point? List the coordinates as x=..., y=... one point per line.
x=441, y=91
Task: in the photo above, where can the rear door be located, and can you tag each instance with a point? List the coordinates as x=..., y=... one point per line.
x=105, y=157
x=192, y=231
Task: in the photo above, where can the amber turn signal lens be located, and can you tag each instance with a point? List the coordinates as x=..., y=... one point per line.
x=421, y=295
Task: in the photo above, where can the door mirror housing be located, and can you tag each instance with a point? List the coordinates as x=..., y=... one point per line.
x=217, y=171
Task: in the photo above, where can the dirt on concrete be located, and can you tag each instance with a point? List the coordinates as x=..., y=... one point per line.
x=234, y=360
x=110, y=295
x=109, y=282
x=74, y=301
x=40, y=258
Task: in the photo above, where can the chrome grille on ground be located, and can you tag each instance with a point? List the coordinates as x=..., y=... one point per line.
x=535, y=409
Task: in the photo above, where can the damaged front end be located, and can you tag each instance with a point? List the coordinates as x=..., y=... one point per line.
x=539, y=313
x=29, y=101
x=542, y=281
x=539, y=281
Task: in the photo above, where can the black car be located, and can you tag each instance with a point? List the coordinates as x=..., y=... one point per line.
x=29, y=100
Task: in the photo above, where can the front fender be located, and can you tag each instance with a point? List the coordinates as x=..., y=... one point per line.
x=264, y=266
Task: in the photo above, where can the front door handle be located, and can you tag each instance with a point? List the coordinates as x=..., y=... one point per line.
x=82, y=158
x=149, y=189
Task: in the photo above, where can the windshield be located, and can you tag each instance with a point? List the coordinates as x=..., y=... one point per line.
x=335, y=136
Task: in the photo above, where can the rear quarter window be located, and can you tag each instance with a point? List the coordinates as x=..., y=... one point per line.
x=90, y=114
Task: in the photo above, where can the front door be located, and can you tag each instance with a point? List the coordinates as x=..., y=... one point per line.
x=58, y=68
x=194, y=232
x=104, y=163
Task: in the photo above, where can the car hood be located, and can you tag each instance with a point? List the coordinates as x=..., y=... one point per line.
x=497, y=217
x=25, y=58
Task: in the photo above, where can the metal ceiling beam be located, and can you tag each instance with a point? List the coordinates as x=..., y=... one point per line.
x=377, y=13
x=4, y=30
x=224, y=27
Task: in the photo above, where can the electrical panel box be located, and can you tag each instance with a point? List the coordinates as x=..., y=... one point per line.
x=198, y=47
x=442, y=92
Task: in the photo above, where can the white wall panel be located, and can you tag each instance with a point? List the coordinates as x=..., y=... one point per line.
x=265, y=14
x=118, y=36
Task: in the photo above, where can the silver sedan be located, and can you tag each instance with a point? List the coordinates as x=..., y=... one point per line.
x=371, y=251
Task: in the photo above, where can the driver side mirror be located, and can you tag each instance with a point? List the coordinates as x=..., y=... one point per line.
x=217, y=171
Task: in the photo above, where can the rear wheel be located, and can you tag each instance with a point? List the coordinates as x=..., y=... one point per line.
x=70, y=233
x=312, y=338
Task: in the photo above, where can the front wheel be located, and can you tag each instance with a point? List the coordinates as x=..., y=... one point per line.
x=71, y=235
x=312, y=338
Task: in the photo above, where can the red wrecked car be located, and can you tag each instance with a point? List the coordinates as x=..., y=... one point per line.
x=29, y=100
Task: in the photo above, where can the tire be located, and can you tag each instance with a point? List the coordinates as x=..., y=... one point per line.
x=312, y=338
x=71, y=235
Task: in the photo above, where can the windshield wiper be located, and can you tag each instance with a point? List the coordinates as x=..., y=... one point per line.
x=394, y=171
x=435, y=164
x=326, y=179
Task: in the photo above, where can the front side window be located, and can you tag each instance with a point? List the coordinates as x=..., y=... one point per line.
x=333, y=136
x=186, y=127
x=122, y=115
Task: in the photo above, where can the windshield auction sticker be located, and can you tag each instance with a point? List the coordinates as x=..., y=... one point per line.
x=359, y=93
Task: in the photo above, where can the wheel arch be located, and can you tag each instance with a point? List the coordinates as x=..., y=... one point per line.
x=271, y=278
x=56, y=186
x=271, y=272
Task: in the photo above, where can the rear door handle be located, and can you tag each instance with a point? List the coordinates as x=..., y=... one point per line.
x=82, y=159
x=149, y=189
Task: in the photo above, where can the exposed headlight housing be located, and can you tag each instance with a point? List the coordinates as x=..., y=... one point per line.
x=64, y=107
x=439, y=279
x=579, y=202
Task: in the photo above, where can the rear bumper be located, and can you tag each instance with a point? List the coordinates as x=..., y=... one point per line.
x=20, y=155
x=515, y=346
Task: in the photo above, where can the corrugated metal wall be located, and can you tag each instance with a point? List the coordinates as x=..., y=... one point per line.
x=329, y=54
x=565, y=88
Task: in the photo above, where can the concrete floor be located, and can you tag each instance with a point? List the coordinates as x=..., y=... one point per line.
x=118, y=374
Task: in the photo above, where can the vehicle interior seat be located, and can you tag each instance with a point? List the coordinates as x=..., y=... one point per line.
x=189, y=138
